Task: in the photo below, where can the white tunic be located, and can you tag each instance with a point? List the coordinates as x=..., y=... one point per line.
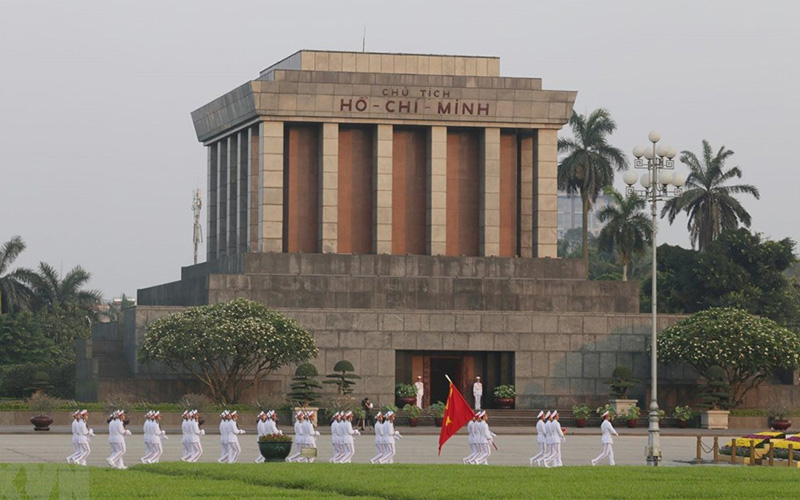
x=379, y=437
x=233, y=432
x=83, y=432
x=299, y=433
x=262, y=427
x=558, y=434
x=347, y=432
x=549, y=432
x=607, y=429
x=185, y=430
x=224, y=432
x=194, y=431
x=117, y=431
x=477, y=390
x=271, y=427
x=389, y=432
x=471, y=432
x=310, y=433
x=75, y=430
x=540, y=432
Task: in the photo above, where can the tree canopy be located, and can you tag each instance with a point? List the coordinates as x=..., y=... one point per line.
x=748, y=348
x=628, y=231
x=227, y=346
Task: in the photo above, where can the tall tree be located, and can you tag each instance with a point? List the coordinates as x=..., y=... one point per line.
x=52, y=292
x=628, y=230
x=14, y=291
x=710, y=205
x=589, y=161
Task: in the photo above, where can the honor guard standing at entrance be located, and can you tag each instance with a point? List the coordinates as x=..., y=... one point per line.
x=607, y=429
x=540, y=438
x=477, y=392
x=420, y=387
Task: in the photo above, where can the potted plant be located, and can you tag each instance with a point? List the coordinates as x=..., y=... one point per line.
x=778, y=414
x=275, y=447
x=406, y=394
x=504, y=396
x=437, y=412
x=631, y=415
x=683, y=414
x=42, y=403
x=621, y=381
x=581, y=413
x=715, y=396
x=412, y=413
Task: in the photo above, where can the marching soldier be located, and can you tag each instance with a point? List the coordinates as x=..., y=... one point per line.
x=185, y=435
x=299, y=438
x=310, y=436
x=116, y=439
x=194, y=437
x=390, y=437
x=84, y=434
x=608, y=451
x=540, y=438
x=556, y=435
x=224, y=431
x=261, y=430
x=379, y=439
x=234, y=448
x=159, y=435
x=471, y=425
x=548, y=439
x=349, y=443
x=336, y=438
x=484, y=438
x=76, y=423
x=272, y=423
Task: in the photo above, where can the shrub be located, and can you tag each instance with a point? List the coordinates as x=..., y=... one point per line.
x=437, y=409
x=581, y=411
x=275, y=438
x=405, y=391
x=715, y=393
x=22, y=380
x=412, y=411
x=683, y=413
x=505, y=391
x=389, y=407
x=632, y=413
x=41, y=402
x=118, y=401
x=271, y=402
x=621, y=380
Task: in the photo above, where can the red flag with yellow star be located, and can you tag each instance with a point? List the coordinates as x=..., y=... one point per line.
x=456, y=415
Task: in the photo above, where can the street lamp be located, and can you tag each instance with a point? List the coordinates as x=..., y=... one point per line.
x=659, y=183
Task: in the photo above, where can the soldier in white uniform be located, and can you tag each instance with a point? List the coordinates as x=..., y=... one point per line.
x=194, y=437
x=233, y=437
x=473, y=448
x=272, y=423
x=159, y=435
x=76, y=422
x=336, y=438
x=484, y=438
x=116, y=439
x=84, y=434
x=261, y=430
x=185, y=436
x=557, y=437
x=390, y=437
x=310, y=436
x=379, y=447
x=420, y=390
x=299, y=438
x=608, y=451
x=349, y=443
x=477, y=392
x=224, y=431
x=147, y=431
x=548, y=439
x=540, y=438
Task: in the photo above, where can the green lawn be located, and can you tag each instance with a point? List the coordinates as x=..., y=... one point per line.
x=400, y=482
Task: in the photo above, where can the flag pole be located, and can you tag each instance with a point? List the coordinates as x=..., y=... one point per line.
x=448, y=378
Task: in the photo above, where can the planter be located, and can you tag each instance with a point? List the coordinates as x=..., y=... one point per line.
x=413, y=422
x=631, y=423
x=780, y=424
x=580, y=422
x=621, y=406
x=275, y=451
x=437, y=421
x=683, y=424
x=401, y=402
x=41, y=423
x=504, y=403
x=714, y=419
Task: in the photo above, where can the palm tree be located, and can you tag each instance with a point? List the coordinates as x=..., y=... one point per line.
x=14, y=292
x=589, y=164
x=51, y=291
x=628, y=229
x=709, y=204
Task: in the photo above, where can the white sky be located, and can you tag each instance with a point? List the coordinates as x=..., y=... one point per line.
x=99, y=156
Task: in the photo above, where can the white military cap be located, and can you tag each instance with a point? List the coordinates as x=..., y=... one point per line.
x=156, y=413
x=389, y=413
x=555, y=413
x=547, y=415
x=185, y=413
x=270, y=413
x=379, y=414
x=234, y=412
x=261, y=413
x=541, y=412
x=349, y=413
x=605, y=413
x=84, y=412
x=300, y=414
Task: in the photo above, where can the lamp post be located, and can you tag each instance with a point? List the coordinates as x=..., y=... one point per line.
x=658, y=183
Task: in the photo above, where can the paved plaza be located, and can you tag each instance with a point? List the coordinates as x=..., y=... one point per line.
x=514, y=448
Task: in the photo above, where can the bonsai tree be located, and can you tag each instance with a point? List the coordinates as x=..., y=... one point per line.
x=228, y=347
x=304, y=387
x=405, y=391
x=747, y=348
x=342, y=379
x=621, y=380
x=581, y=411
x=715, y=393
x=505, y=392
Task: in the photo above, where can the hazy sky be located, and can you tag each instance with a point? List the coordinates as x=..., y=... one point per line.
x=99, y=156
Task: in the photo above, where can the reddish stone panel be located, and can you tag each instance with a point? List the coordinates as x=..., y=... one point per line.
x=254, y=188
x=301, y=188
x=409, y=191
x=356, y=174
x=463, y=191
x=509, y=185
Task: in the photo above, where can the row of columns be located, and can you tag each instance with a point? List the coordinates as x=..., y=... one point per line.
x=246, y=191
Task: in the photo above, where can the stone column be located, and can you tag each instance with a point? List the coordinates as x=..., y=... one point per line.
x=526, y=236
x=243, y=192
x=545, y=217
x=437, y=191
x=382, y=199
x=490, y=193
x=211, y=200
x=271, y=181
x=222, y=197
x=329, y=189
x=254, y=196
x=233, y=193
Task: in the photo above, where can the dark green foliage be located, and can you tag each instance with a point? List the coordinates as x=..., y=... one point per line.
x=715, y=393
x=21, y=380
x=344, y=381
x=304, y=389
x=23, y=338
x=604, y=265
x=740, y=269
x=405, y=391
x=621, y=380
x=628, y=231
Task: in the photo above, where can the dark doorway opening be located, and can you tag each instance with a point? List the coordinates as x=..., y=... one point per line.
x=440, y=367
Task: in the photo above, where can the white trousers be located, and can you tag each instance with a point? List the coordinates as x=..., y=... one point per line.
x=338, y=453
x=186, y=450
x=478, y=401
x=378, y=453
x=117, y=452
x=76, y=450
x=536, y=459
x=224, y=453
x=233, y=451
x=554, y=456
x=83, y=453
x=484, y=451
x=348, y=450
x=295, y=457
x=388, y=454
x=608, y=451
x=473, y=448
x=196, y=452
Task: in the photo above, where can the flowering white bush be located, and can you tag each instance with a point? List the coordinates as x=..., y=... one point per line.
x=749, y=348
x=224, y=345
